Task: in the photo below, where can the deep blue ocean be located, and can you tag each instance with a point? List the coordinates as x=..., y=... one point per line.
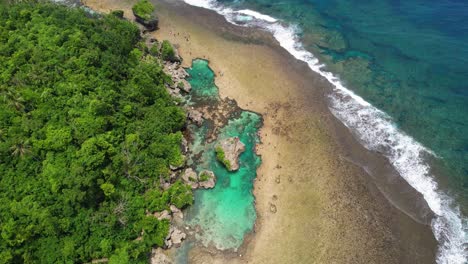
x=400, y=72
x=407, y=58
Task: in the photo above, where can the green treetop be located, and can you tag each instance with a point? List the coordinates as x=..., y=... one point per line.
x=143, y=9
x=87, y=131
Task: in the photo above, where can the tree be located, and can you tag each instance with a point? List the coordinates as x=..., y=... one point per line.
x=87, y=129
x=167, y=51
x=20, y=149
x=143, y=9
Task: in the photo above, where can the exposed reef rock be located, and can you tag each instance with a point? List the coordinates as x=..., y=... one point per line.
x=190, y=177
x=176, y=71
x=228, y=151
x=163, y=215
x=206, y=179
x=176, y=212
x=151, y=23
x=184, y=145
x=158, y=257
x=179, y=76
x=174, y=237
x=195, y=116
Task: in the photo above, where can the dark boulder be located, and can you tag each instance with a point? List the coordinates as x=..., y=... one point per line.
x=150, y=24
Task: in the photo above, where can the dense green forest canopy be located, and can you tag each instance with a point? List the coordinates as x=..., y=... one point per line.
x=87, y=130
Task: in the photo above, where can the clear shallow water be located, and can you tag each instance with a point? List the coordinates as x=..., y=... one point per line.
x=226, y=213
x=202, y=81
x=399, y=72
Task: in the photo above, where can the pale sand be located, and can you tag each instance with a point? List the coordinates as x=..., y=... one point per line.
x=327, y=209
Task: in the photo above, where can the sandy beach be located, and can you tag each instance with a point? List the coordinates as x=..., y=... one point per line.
x=314, y=203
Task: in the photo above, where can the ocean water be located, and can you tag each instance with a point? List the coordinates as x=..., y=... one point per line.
x=399, y=71
x=226, y=213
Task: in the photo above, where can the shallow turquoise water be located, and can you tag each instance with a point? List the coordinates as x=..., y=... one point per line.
x=399, y=72
x=225, y=213
x=202, y=81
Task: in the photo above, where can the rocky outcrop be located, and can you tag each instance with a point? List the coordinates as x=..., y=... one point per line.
x=150, y=23
x=174, y=237
x=195, y=116
x=184, y=145
x=163, y=215
x=179, y=75
x=176, y=212
x=228, y=151
x=176, y=70
x=206, y=179
x=190, y=177
x=184, y=86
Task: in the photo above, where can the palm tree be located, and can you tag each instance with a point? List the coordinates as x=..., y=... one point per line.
x=14, y=100
x=20, y=149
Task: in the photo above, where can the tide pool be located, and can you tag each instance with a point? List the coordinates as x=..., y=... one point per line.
x=226, y=213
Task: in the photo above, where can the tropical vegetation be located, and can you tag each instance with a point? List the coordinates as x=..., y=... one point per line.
x=87, y=134
x=144, y=9
x=220, y=156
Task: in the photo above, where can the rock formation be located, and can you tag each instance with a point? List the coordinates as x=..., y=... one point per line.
x=206, y=179
x=190, y=177
x=150, y=23
x=174, y=237
x=176, y=212
x=195, y=116
x=228, y=151
x=158, y=257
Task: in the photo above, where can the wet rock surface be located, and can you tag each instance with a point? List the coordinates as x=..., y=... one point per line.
x=151, y=23
x=206, y=179
x=232, y=148
x=174, y=237
x=190, y=177
x=158, y=257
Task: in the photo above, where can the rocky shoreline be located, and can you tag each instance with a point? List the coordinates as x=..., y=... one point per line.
x=217, y=113
x=316, y=205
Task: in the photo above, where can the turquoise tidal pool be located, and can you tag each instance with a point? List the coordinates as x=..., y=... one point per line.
x=226, y=213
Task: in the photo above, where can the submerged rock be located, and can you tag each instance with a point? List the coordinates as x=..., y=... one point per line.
x=158, y=257
x=228, y=151
x=273, y=208
x=206, y=179
x=195, y=116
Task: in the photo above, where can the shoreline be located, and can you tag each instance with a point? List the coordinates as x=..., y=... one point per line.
x=287, y=129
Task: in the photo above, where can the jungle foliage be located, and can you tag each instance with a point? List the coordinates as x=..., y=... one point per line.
x=144, y=9
x=87, y=130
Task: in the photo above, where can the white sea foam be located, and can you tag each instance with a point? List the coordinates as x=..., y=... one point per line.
x=376, y=131
x=257, y=15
